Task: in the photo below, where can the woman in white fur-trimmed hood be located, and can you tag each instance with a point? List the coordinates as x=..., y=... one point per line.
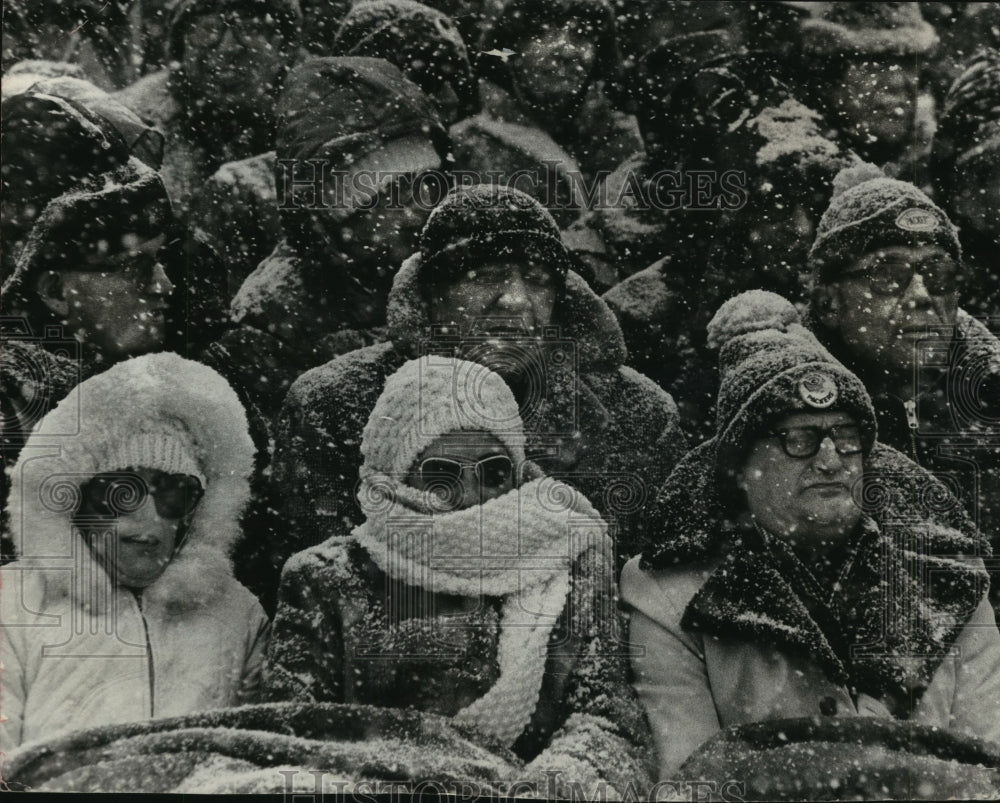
x=124, y=506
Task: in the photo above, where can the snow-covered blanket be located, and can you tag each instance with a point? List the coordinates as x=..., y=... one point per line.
x=844, y=759
x=272, y=748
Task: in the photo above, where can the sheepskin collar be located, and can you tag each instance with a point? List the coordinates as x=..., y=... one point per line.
x=584, y=318
x=754, y=594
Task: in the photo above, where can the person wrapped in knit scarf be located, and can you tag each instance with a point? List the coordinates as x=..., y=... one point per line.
x=476, y=588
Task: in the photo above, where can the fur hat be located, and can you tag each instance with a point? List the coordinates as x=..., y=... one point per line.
x=869, y=210
x=771, y=365
x=286, y=13
x=339, y=109
x=487, y=221
x=856, y=29
x=90, y=223
x=422, y=42
x=433, y=396
x=157, y=411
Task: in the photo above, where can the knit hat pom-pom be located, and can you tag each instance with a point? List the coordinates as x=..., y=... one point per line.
x=855, y=175
x=752, y=311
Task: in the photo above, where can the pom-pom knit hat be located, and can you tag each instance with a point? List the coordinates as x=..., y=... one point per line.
x=857, y=29
x=770, y=365
x=433, y=396
x=487, y=221
x=868, y=210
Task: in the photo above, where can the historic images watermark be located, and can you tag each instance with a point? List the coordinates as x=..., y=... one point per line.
x=314, y=184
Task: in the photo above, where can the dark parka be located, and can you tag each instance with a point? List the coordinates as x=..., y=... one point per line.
x=615, y=436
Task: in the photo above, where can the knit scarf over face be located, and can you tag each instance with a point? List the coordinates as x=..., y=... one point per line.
x=519, y=547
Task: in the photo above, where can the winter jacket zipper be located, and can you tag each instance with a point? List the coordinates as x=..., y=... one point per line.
x=913, y=425
x=149, y=656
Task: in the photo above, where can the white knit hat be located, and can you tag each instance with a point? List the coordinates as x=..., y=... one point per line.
x=433, y=396
x=168, y=449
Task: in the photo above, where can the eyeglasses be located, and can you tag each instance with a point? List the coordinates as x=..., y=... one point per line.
x=209, y=30
x=891, y=277
x=121, y=493
x=491, y=472
x=805, y=441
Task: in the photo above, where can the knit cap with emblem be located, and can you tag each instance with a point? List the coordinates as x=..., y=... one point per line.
x=868, y=210
x=770, y=365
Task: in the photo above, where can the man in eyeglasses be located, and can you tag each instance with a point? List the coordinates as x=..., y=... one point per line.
x=799, y=568
x=215, y=101
x=888, y=277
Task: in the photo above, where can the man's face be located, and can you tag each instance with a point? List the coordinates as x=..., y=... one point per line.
x=878, y=100
x=386, y=233
x=555, y=65
x=119, y=307
x=503, y=298
x=884, y=308
x=136, y=547
x=234, y=60
x=463, y=469
x=804, y=500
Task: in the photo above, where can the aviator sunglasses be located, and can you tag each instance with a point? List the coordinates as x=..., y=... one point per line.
x=491, y=471
x=121, y=493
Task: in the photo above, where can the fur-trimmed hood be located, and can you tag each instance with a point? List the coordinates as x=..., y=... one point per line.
x=583, y=317
x=914, y=534
x=76, y=440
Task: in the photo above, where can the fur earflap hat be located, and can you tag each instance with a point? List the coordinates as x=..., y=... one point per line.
x=770, y=365
x=433, y=396
x=90, y=223
x=489, y=221
x=286, y=13
x=157, y=411
x=423, y=42
x=857, y=29
x=869, y=210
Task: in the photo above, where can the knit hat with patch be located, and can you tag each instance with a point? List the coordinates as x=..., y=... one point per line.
x=856, y=29
x=488, y=221
x=770, y=365
x=425, y=44
x=286, y=13
x=868, y=210
x=433, y=396
x=969, y=127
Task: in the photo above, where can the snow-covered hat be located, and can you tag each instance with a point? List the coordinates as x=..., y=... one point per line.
x=486, y=221
x=869, y=210
x=770, y=365
x=423, y=42
x=433, y=396
x=856, y=29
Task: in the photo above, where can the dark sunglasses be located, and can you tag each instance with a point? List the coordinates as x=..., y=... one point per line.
x=121, y=493
x=805, y=441
x=891, y=277
x=491, y=472
x=209, y=30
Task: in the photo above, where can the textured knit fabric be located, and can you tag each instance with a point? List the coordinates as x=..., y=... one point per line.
x=602, y=428
x=192, y=637
x=869, y=28
x=869, y=210
x=434, y=396
x=771, y=365
x=971, y=115
x=586, y=724
x=423, y=42
x=166, y=448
